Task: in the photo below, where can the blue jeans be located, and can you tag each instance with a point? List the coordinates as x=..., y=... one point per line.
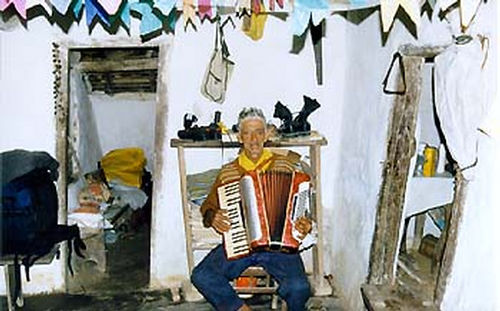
x=212, y=275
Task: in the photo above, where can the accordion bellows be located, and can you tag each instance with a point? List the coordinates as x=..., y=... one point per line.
x=262, y=208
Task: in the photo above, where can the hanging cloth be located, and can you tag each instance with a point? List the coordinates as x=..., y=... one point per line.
x=254, y=26
x=462, y=99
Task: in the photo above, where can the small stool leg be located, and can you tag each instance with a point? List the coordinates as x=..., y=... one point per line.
x=283, y=305
x=10, y=286
x=274, y=302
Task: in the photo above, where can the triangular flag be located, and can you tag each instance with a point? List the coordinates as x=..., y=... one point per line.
x=110, y=6
x=45, y=4
x=388, y=9
x=188, y=12
x=302, y=11
x=77, y=8
x=125, y=14
x=92, y=8
x=244, y=7
x=205, y=9
x=165, y=6
x=149, y=21
x=61, y=5
x=20, y=6
x=256, y=6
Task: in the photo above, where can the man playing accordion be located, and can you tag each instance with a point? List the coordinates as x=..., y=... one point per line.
x=213, y=274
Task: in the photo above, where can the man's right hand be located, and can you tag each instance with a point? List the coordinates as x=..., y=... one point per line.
x=221, y=222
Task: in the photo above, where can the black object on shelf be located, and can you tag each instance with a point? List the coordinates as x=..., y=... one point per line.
x=200, y=133
x=299, y=125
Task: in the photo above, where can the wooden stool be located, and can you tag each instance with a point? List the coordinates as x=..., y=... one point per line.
x=266, y=286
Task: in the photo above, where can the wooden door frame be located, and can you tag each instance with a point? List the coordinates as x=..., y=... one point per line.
x=60, y=55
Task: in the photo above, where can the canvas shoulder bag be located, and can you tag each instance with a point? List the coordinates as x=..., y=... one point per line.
x=218, y=72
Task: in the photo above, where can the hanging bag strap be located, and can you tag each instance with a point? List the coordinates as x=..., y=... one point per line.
x=397, y=56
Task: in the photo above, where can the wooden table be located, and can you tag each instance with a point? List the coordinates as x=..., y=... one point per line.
x=314, y=143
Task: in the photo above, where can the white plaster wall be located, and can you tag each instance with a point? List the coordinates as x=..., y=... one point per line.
x=474, y=283
x=126, y=120
x=27, y=116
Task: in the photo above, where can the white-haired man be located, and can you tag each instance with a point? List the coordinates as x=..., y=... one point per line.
x=212, y=275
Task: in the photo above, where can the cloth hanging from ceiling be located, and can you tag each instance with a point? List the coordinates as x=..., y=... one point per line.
x=254, y=26
x=462, y=99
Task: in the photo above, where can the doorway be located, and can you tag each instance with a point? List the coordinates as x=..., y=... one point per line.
x=109, y=111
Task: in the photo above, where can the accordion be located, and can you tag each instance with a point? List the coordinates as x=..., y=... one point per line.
x=262, y=209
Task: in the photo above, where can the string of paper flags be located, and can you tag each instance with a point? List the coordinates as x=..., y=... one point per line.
x=153, y=14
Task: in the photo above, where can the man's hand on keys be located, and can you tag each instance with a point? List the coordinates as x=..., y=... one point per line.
x=221, y=222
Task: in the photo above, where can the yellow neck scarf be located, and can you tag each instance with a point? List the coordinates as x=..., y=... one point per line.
x=249, y=165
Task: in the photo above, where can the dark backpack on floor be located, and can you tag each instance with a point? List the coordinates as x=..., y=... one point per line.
x=29, y=209
x=29, y=228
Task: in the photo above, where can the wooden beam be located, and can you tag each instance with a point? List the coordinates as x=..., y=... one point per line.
x=122, y=65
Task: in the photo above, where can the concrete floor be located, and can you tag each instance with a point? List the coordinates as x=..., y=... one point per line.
x=147, y=301
x=124, y=285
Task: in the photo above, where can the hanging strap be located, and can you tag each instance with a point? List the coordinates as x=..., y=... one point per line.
x=399, y=57
x=217, y=29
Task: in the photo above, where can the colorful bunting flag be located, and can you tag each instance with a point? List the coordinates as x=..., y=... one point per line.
x=92, y=8
x=46, y=5
x=244, y=7
x=256, y=6
x=125, y=14
x=110, y=6
x=303, y=10
x=205, y=9
x=61, y=5
x=165, y=6
x=388, y=9
x=149, y=21
x=19, y=5
x=188, y=13
x=77, y=8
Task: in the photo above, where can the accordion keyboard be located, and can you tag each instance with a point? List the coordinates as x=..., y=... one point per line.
x=235, y=240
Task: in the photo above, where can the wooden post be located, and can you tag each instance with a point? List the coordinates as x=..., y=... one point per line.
x=419, y=231
x=321, y=288
x=185, y=208
x=400, y=149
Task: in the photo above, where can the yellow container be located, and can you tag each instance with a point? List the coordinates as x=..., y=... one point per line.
x=430, y=161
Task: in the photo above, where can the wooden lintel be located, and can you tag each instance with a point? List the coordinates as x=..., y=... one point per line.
x=118, y=65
